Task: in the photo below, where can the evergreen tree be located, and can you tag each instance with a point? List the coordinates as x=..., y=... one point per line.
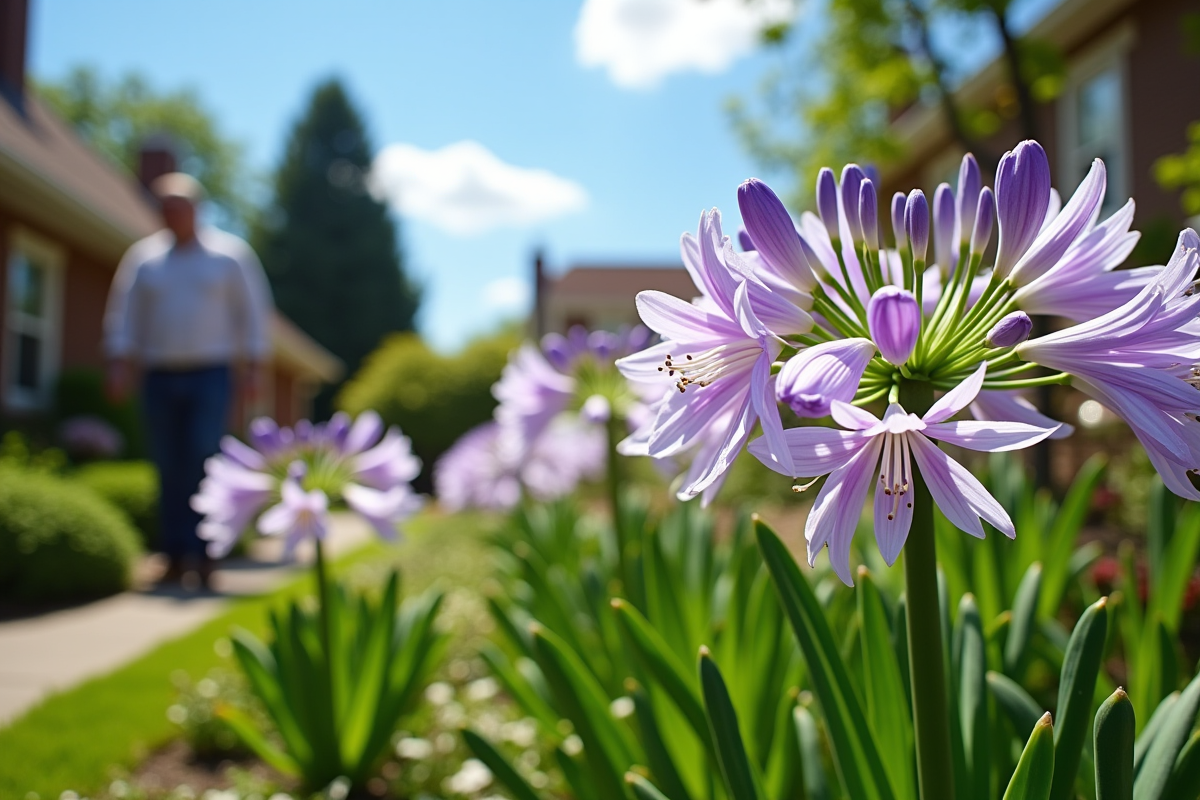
x=330, y=249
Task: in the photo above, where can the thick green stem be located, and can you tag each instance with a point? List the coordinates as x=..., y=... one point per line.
x=613, y=429
x=323, y=618
x=926, y=665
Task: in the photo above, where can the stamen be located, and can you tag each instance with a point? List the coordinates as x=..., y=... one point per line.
x=704, y=368
x=798, y=488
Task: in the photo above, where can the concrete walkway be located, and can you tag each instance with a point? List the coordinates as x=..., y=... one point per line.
x=54, y=651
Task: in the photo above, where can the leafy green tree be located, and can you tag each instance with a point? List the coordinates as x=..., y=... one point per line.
x=863, y=61
x=329, y=248
x=116, y=117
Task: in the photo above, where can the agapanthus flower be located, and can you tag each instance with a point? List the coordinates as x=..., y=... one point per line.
x=886, y=448
x=486, y=469
x=301, y=472
x=716, y=354
x=838, y=323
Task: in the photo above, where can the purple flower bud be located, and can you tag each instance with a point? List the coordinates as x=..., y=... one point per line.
x=812, y=379
x=852, y=178
x=868, y=213
x=967, y=196
x=943, y=228
x=744, y=241
x=898, y=203
x=894, y=321
x=985, y=213
x=773, y=233
x=1022, y=197
x=595, y=409
x=1013, y=329
x=827, y=202
x=916, y=224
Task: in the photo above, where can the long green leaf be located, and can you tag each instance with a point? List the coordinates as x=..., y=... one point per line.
x=643, y=789
x=494, y=760
x=1156, y=770
x=1060, y=540
x=887, y=709
x=1179, y=562
x=1150, y=731
x=1024, y=619
x=1185, y=777
x=814, y=784
x=1114, y=733
x=1034, y=775
x=860, y=765
x=723, y=723
x=657, y=754
x=252, y=737
x=973, y=700
x=1076, y=689
x=1016, y=703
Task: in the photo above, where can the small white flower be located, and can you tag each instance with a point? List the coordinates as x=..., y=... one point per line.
x=572, y=745
x=473, y=777
x=621, y=708
x=208, y=688
x=413, y=748
x=439, y=693
x=522, y=733
x=482, y=689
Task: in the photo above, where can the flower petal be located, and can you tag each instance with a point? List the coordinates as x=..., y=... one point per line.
x=680, y=321
x=957, y=398
x=1010, y=406
x=814, y=451
x=835, y=514
x=762, y=396
x=852, y=417
x=958, y=493
x=989, y=437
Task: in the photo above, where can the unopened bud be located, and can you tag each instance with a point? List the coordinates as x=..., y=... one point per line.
x=1013, y=329
x=827, y=202
x=852, y=179
x=985, y=215
x=868, y=213
x=894, y=321
x=916, y=224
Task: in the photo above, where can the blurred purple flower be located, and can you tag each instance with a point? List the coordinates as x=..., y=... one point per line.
x=89, y=436
x=298, y=515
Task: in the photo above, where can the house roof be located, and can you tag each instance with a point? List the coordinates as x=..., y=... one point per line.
x=66, y=188
x=61, y=184
x=923, y=129
x=593, y=281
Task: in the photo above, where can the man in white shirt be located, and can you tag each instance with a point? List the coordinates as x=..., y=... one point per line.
x=188, y=305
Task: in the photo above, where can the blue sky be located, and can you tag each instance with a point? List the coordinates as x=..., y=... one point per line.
x=503, y=75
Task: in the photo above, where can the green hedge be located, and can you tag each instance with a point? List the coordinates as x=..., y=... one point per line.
x=433, y=398
x=60, y=541
x=131, y=486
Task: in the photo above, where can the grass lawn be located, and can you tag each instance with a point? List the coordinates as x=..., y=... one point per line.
x=74, y=739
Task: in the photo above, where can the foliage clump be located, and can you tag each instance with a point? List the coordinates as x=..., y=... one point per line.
x=432, y=397
x=131, y=486
x=59, y=541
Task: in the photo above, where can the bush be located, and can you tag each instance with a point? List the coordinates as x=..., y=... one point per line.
x=60, y=541
x=131, y=486
x=80, y=393
x=433, y=398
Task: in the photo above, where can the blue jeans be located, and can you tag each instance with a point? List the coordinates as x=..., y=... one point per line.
x=186, y=413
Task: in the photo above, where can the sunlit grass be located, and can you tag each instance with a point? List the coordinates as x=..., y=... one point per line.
x=79, y=738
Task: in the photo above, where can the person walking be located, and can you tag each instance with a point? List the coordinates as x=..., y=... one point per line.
x=188, y=310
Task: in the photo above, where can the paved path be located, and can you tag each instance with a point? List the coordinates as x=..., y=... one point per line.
x=50, y=652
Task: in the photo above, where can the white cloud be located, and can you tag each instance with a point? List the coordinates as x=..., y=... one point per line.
x=506, y=295
x=641, y=41
x=464, y=188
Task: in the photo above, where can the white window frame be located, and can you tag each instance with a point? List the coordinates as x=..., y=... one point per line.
x=51, y=258
x=1110, y=52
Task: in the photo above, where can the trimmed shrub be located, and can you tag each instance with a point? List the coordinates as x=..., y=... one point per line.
x=433, y=398
x=60, y=541
x=131, y=486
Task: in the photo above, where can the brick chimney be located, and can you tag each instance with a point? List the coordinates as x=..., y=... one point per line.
x=156, y=157
x=14, y=28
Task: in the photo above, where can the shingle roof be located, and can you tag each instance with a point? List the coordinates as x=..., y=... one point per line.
x=622, y=281
x=61, y=184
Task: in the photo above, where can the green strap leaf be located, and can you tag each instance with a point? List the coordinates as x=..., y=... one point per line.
x=247, y=730
x=494, y=760
x=723, y=723
x=1060, y=540
x=1185, y=778
x=1142, y=746
x=657, y=754
x=1024, y=619
x=887, y=708
x=1016, y=703
x=1114, y=733
x=642, y=788
x=814, y=784
x=1076, y=690
x=1155, y=771
x=854, y=749
x=972, y=703
x=1034, y=775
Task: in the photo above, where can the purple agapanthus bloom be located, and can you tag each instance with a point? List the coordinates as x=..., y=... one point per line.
x=486, y=469
x=1139, y=360
x=298, y=515
x=356, y=463
x=717, y=354
x=823, y=373
x=886, y=448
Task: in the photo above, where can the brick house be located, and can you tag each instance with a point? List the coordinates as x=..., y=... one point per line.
x=1131, y=89
x=66, y=217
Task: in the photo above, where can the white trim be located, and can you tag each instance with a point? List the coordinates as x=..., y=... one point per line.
x=51, y=258
x=1109, y=52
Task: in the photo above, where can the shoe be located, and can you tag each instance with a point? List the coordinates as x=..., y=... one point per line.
x=205, y=570
x=174, y=571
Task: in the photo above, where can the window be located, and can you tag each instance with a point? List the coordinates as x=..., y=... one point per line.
x=1094, y=116
x=31, y=321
